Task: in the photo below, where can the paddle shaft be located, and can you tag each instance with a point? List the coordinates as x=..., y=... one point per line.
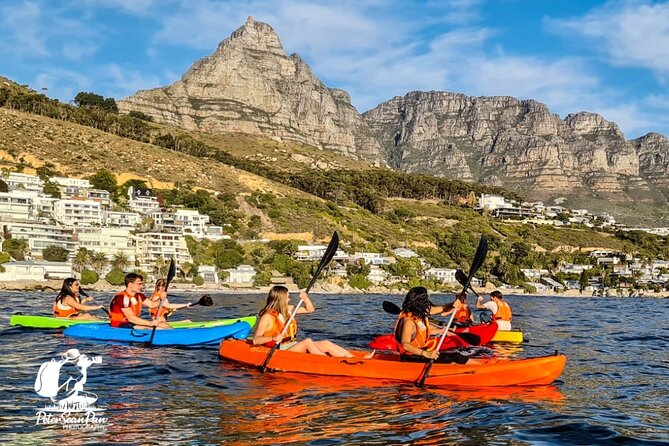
x=479, y=258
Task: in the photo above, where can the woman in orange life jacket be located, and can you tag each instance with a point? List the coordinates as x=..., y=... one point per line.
x=501, y=310
x=273, y=319
x=412, y=329
x=125, y=308
x=463, y=315
x=168, y=308
x=68, y=303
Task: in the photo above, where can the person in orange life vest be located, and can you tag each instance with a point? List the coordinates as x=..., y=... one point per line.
x=272, y=320
x=500, y=310
x=463, y=315
x=125, y=308
x=167, y=308
x=68, y=303
x=412, y=329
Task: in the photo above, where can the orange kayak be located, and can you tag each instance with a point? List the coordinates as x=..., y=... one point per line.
x=476, y=373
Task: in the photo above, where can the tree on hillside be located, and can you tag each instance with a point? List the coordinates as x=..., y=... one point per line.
x=104, y=179
x=55, y=253
x=98, y=261
x=16, y=248
x=90, y=100
x=81, y=260
x=120, y=261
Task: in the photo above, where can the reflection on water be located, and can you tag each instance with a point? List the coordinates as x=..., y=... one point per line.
x=614, y=389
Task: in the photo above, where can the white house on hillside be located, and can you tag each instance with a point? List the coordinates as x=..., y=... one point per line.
x=22, y=181
x=445, y=275
x=35, y=270
x=241, y=274
x=40, y=235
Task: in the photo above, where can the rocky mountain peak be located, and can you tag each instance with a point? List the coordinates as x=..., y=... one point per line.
x=249, y=85
x=256, y=36
x=592, y=124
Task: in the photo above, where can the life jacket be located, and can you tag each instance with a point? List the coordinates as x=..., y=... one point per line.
x=462, y=314
x=60, y=309
x=420, y=339
x=277, y=328
x=116, y=316
x=164, y=312
x=503, y=311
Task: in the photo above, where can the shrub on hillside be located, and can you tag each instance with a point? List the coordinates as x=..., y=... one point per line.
x=55, y=253
x=115, y=277
x=359, y=281
x=88, y=277
x=263, y=278
x=198, y=280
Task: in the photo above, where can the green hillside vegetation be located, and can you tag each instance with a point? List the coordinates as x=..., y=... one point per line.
x=373, y=209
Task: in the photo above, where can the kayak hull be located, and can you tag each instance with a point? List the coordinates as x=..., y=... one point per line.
x=26, y=320
x=509, y=336
x=485, y=332
x=477, y=373
x=174, y=337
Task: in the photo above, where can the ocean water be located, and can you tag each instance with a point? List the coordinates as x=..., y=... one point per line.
x=614, y=390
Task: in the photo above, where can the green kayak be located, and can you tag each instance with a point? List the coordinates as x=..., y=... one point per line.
x=25, y=320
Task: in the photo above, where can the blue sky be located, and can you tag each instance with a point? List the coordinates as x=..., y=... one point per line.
x=608, y=57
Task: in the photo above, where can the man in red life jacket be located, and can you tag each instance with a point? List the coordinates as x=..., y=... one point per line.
x=501, y=310
x=125, y=308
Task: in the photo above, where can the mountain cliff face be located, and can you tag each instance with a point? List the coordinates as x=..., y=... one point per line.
x=249, y=85
x=518, y=144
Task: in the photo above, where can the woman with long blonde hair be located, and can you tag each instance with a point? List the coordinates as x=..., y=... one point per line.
x=168, y=308
x=273, y=318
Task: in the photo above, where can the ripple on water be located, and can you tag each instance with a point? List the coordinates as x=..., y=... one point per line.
x=613, y=391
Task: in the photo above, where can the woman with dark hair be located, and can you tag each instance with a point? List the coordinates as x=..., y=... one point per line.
x=412, y=330
x=69, y=305
x=273, y=319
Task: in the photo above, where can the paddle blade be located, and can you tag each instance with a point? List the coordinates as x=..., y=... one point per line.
x=172, y=271
x=329, y=254
x=479, y=258
x=205, y=301
x=461, y=277
x=391, y=308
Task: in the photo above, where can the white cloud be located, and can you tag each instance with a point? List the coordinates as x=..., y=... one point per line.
x=21, y=33
x=629, y=33
x=121, y=82
x=138, y=7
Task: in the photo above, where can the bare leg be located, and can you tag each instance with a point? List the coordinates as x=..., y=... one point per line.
x=85, y=317
x=333, y=349
x=307, y=346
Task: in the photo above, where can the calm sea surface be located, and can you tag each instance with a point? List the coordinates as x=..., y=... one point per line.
x=615, y=389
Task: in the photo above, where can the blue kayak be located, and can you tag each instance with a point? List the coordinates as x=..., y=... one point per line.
x=174, y=337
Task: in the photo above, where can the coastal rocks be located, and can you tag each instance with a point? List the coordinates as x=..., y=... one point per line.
x=250, y=85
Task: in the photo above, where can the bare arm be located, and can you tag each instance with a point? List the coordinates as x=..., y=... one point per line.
x=263, y=325
x=479, y=304
x=128, y=313
x=308, y=306
x=72, y=302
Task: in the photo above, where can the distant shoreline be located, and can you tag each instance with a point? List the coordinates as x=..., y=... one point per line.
x=53, y=286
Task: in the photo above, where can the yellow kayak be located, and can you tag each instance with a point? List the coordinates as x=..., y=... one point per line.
x=512, y=336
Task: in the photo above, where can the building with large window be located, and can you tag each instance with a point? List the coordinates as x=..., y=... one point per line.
x=16, y=205
x=22, y=181
x=121, y=219
x=109, y=241
x=152, y=246
x=74, y=212
x=40, y=236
